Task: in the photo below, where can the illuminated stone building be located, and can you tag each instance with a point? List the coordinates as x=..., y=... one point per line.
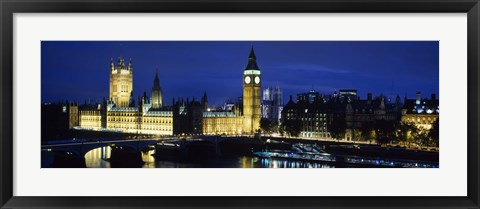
x=121, y=83
x=422, y=112
x=241, y=118
x=157, y=94
x=251, y=95
x=120, y=113
x=141, y=119
x=151, y=116
x=222, y=122
x=91, y=117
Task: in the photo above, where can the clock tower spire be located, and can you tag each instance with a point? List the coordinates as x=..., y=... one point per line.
x=251, y=95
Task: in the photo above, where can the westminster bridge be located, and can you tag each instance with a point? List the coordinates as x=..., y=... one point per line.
x=72, y=152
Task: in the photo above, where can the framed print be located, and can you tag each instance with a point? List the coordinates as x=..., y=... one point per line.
x=266, y=104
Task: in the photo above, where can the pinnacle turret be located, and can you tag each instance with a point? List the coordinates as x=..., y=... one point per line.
x=252, y=61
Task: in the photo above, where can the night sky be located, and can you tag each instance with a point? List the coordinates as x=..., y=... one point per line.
x=79, y=70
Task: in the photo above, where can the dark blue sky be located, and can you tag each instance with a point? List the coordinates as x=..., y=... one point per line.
x=79, y=70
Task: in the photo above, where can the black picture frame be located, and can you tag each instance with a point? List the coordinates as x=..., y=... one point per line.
x=10, y=7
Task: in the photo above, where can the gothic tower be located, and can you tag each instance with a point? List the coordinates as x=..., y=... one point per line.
x=156, y=93
x=204, y=101
x=251, y=95
x=121, y=82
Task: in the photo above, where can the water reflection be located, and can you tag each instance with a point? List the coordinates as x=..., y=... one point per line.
x=100, y=158
x=275, y=163
x=148, y=159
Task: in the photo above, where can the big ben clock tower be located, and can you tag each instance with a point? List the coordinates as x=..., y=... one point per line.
x=251, y=95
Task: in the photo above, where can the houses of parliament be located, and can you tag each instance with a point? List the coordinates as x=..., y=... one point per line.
x=120, y=113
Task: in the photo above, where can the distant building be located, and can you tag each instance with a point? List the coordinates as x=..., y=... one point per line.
x=348, y=94
x=310, y=97
x=73, y=115
x=272, y=104
x=230, y=104
x=312, y=115
x=317, y=112
x=358, y=113
x=187, y=117
x=204, y=102
x=422, y=112
x=57, y=118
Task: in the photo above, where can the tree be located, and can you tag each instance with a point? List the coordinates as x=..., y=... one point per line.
x=357, y=134
x=337, y=127
x=421, y=138
x=405, y=132
x=384, y=131
x=266, y=125
x=367, y=131
x=434, y=133
x=275, y=127
x=281, y=130
x=292, y=127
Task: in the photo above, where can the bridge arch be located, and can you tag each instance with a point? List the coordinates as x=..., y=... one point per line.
x=78, y=151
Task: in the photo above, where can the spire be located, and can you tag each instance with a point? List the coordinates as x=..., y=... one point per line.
x=252, y=54
x=130, y=64
x=121, y=63
x=132, y=101
x=156, y=82
x=111, y=64
x=204, y=101
x=382, y=103
x=204, y=98
x=252, y=61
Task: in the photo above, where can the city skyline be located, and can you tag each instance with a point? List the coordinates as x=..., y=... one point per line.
x=149, y=132
x=189, y=68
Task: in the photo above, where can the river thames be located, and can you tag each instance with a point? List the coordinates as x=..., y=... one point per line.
x=99, y=158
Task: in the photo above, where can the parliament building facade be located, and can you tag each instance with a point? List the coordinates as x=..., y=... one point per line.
x=120, y=113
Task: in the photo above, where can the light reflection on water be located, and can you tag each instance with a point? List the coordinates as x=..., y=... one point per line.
x=274, y=163
x=99, y=158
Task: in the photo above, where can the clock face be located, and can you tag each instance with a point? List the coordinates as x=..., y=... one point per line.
x=257, y=79
x=247, y=79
